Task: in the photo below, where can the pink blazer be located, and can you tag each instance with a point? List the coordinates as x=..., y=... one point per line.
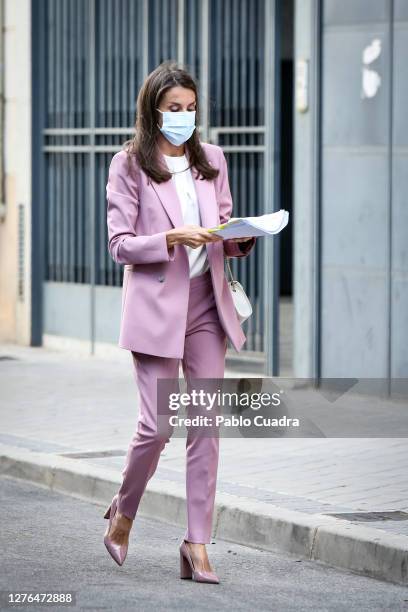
x=156, y=279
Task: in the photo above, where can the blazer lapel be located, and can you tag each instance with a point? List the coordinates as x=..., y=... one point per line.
x=167, y=194
x=207, y=200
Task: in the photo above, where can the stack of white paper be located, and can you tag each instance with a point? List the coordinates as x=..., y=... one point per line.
x=264, y=225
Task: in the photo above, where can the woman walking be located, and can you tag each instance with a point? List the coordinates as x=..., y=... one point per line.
x=164, y=188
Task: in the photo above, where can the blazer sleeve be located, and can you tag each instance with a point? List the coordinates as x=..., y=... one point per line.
x=125, y=247
x=231, y=249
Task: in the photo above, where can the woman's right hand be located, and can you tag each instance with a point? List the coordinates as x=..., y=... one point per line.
x=190, y=235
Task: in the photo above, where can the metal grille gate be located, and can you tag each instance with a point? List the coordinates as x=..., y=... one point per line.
x=96, y=56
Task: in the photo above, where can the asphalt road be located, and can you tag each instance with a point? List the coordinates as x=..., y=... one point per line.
x=54, y=543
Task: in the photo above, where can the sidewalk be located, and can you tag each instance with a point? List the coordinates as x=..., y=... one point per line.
x=66, y=422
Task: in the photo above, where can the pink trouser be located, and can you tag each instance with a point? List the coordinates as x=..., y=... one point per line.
x=204, y=357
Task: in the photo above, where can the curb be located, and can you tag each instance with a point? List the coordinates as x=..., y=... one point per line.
x=316, y=537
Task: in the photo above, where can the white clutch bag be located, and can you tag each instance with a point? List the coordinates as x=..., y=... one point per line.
x=241, y=301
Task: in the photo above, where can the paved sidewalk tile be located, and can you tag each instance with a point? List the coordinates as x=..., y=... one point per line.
x=58, y=403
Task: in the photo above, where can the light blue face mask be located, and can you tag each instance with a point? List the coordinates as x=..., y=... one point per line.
x=177, y=125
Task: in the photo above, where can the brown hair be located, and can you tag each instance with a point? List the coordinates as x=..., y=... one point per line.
x=143, y=145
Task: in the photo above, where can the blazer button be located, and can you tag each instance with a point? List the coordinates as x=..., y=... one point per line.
x=160, y=278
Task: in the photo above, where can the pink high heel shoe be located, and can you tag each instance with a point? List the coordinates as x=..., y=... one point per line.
x=187, y=569
x=117, y=551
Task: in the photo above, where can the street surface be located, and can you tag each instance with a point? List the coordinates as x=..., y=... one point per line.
x=52, y=542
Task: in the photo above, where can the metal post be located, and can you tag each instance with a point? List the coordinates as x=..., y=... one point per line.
x=92, y=170
x=390, y=197
x=145, y=44
x=316, y=187
x=38, y=78
x=204, y=70
x=180, y=31
x=271, y=185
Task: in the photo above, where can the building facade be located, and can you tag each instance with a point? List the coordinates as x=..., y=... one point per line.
x=306, y=97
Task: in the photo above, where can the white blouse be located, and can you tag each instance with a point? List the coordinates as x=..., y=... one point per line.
x=186, y=192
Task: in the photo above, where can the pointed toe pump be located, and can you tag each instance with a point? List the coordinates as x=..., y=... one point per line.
x=117, y=551
x=187, y=569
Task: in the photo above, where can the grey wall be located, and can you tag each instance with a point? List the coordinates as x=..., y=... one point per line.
x=67, y=311
x=399, y=303
x=364, y=223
